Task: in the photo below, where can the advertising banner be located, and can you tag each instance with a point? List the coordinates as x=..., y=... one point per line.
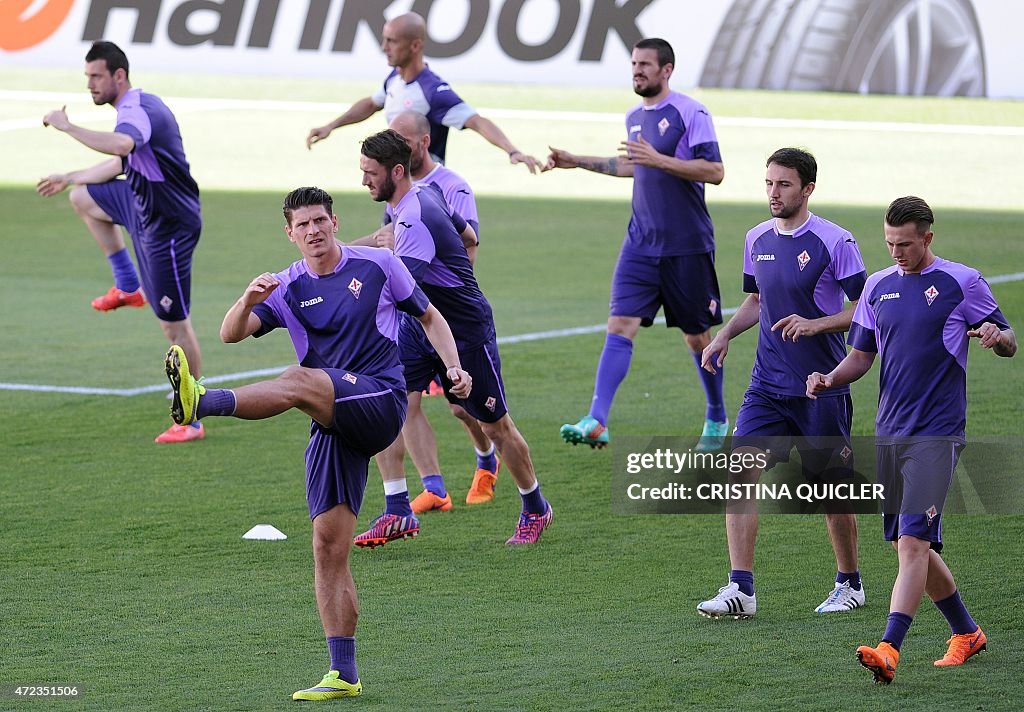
x=911, y=47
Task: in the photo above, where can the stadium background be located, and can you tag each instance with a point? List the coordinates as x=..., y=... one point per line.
x=123, y=568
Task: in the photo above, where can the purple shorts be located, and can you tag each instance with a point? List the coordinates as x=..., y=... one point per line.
x=368, y=415
x=686, y=286
x=486, y=400
x=818, y=429
x=165, y=263
x=917, y=476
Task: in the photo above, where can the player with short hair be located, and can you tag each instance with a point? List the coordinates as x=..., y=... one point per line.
x=341, y=306
x=668, y=255
x=412, y=85
x=428, y=240
x=417, y=433
x=798, y=269
x=157, y=203
x=918, y=316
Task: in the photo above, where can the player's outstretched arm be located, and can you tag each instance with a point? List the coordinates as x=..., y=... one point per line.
x=490, y=131
x=100, y=173
x=440, y=337
x=610, y=166
x=855, y=365
x=240, y=322
x=748, y=314
x=1002, y=342
x=359, y=111
x=110, y=142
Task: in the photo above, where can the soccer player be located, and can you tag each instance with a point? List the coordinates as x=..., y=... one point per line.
x=341, y=308
x=918, y=317
x=412, y=85
x=668, y=255
x=428, y=241
x=157, y=203
x=797, y=269
x=417, y=433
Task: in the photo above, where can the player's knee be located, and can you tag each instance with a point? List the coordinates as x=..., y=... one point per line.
x=698, y=342
x=625, y=326
x=297, y=382
x=330, y=550
x=504, y=434
x=80, y=199
x=909, y=546
x=459, y=412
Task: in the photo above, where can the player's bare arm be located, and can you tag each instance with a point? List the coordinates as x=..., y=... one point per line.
x=470, y=242
x=1003, y=342
x=643, y=153
x=611, y=166
x=440, y=337
x=494, y=135
x=748, y=314
x=359, y=111
x=383, y=236
x=851, y=368
x=110, y=142
x=240, y=322
x=100, y=173
x=794, y=326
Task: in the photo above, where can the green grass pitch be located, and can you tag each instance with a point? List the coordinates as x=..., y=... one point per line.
x=123, y=567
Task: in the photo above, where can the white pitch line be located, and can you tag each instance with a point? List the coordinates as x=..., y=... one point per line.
x=242, y=375
x=200, y=104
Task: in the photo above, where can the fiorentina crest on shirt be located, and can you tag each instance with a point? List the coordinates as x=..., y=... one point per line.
x=662, y=127
x=355, y=286
x=930, y=294
x=802, y=259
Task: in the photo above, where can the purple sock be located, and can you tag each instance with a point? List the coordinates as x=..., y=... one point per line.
x=125, y=277
x=397, y=504
x=488, y=462
x=435, y=484
x=216, y=401
x=343, y=657
x=896, y=629
x=955, y=613
x=534, y=502
x=743, y=579
x=854, y=579
x=713, y=383
x=611, y=370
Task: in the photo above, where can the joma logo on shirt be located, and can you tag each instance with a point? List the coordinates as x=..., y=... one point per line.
x=310, y=302
x=890, y=295
x=766, y=258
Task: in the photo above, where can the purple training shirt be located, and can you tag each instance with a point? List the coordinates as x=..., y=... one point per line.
x=670, y=217
x=166, y=196
x=327, y=317
x=429, y=95
x=807, y=272
x=918, y=324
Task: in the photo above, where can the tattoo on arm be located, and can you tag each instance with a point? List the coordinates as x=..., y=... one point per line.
x=609, y=166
